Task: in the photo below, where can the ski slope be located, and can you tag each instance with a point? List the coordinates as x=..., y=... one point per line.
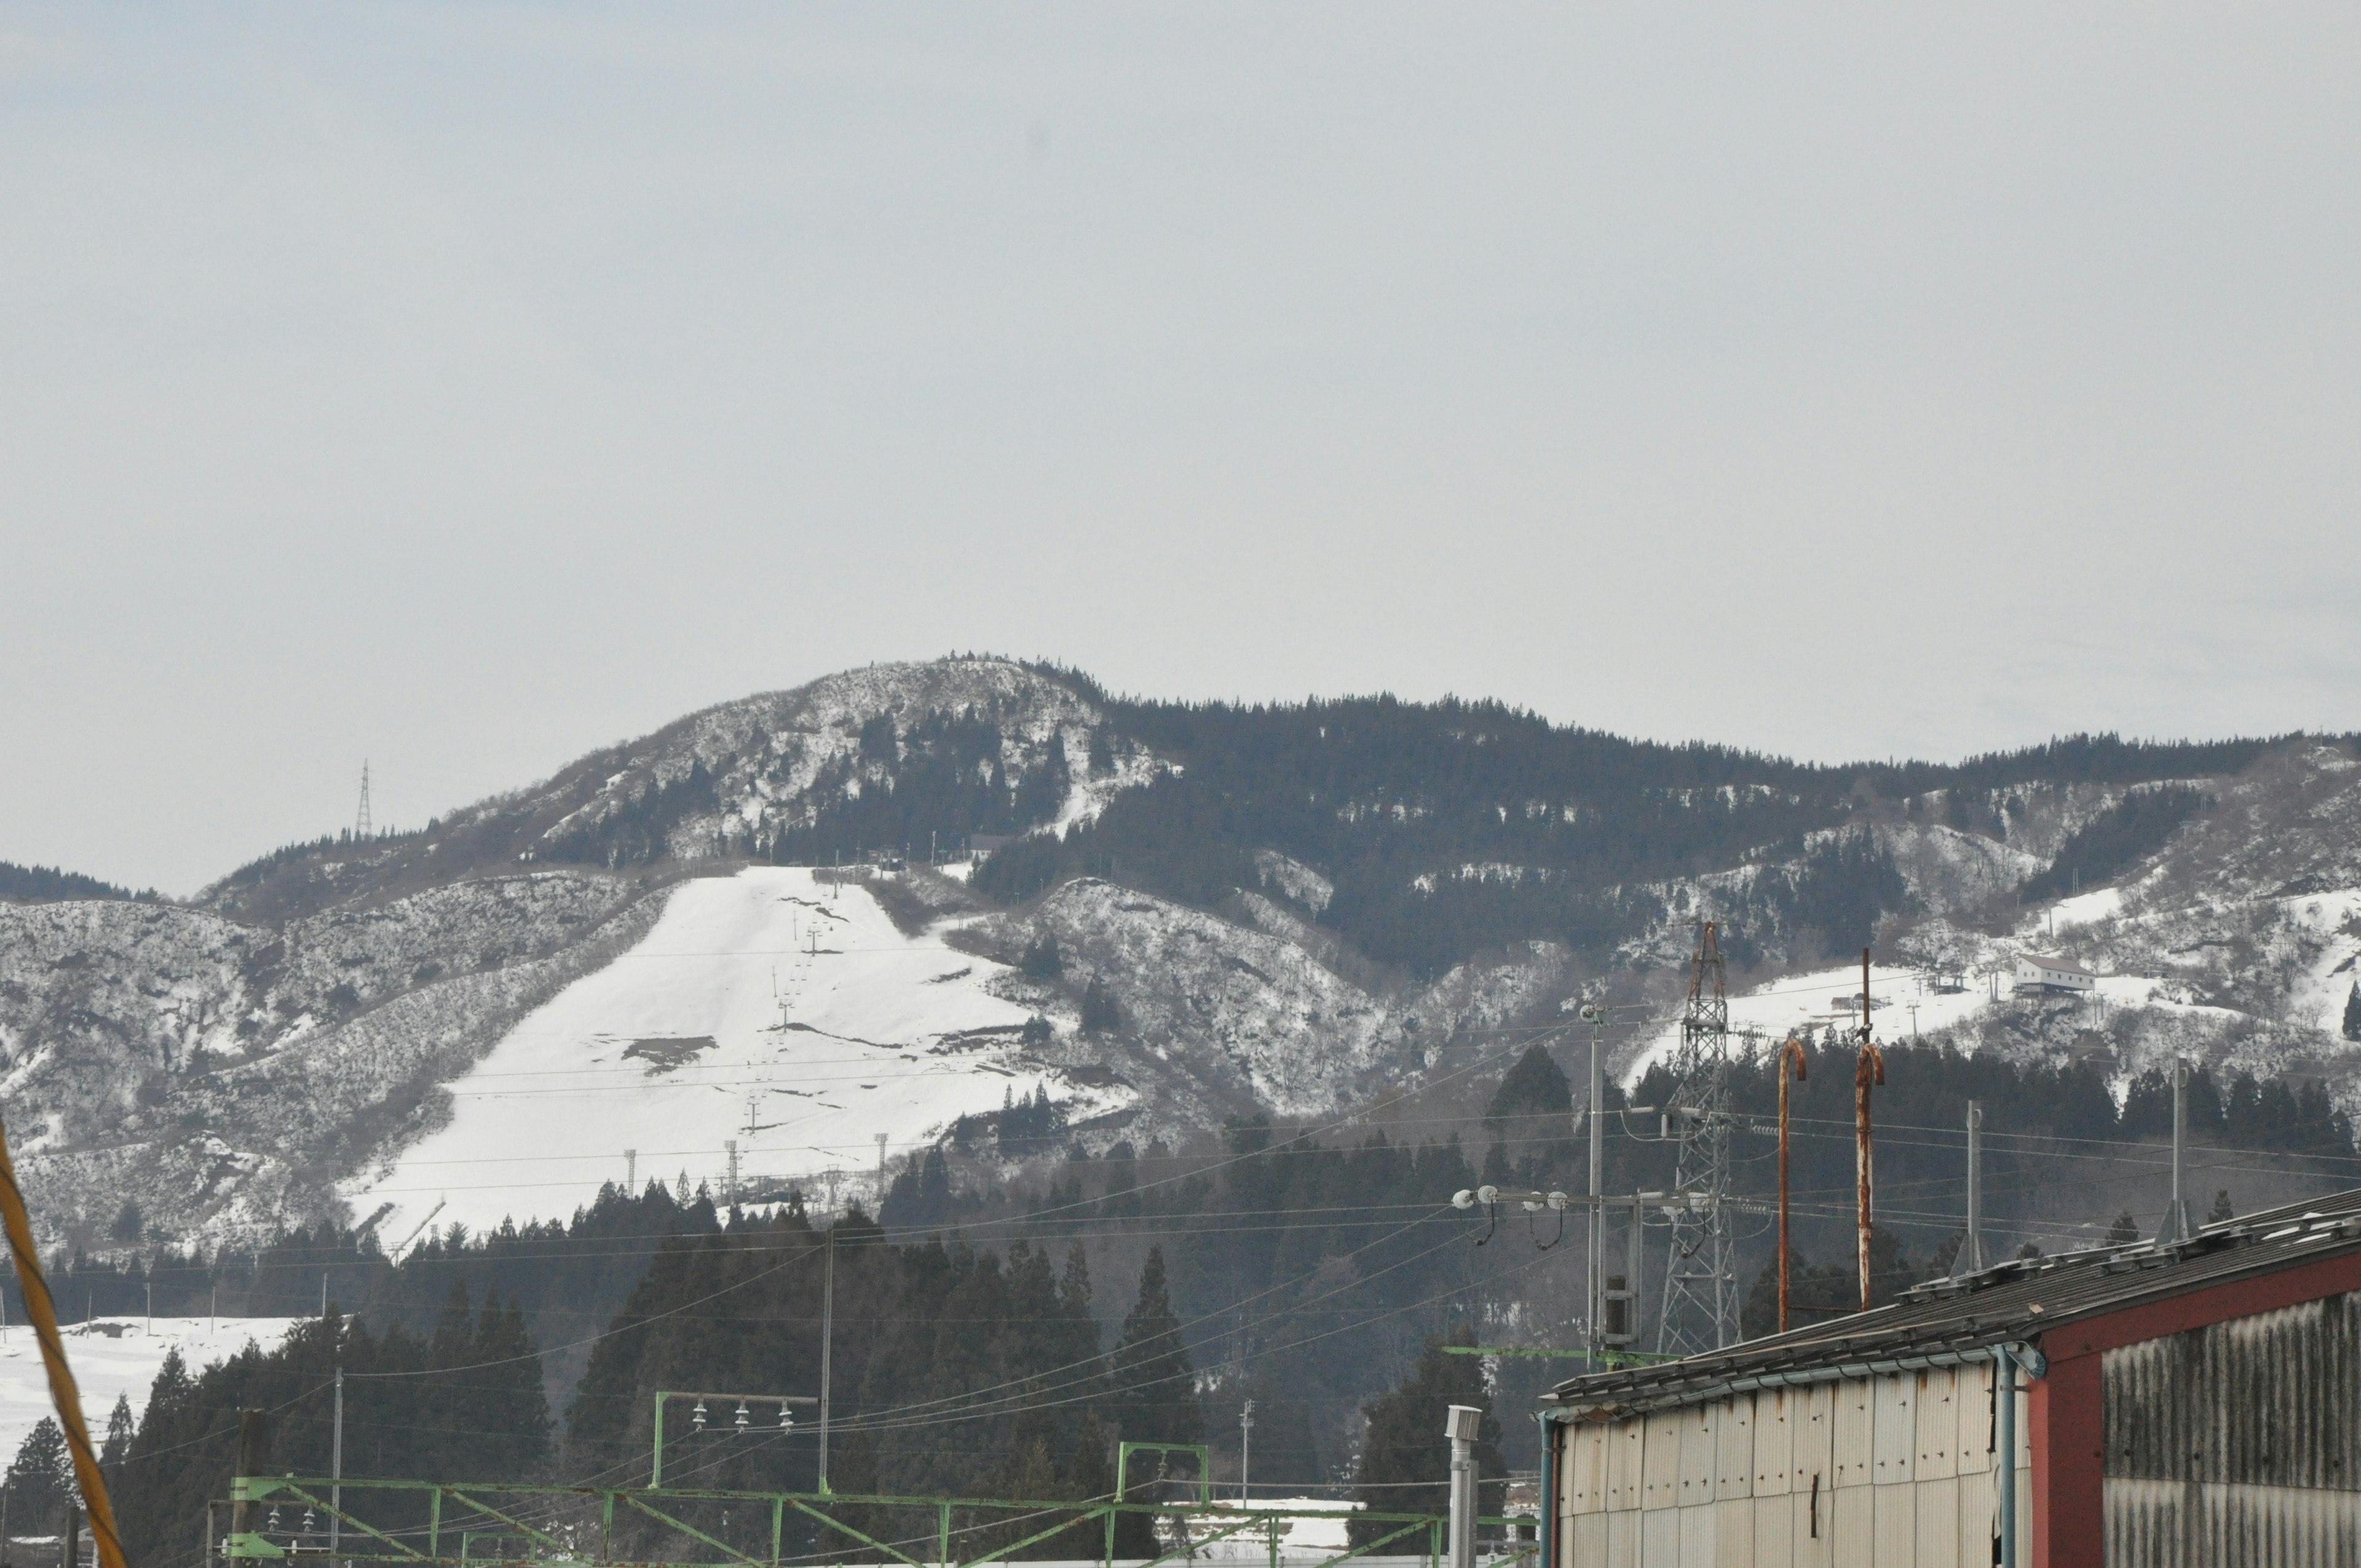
x=770, y=1007
x=116, y=1357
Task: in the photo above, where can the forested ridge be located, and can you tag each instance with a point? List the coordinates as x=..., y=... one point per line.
x=995, y=1337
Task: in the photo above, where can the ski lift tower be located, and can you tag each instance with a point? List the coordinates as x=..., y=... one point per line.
x=1700, y=1302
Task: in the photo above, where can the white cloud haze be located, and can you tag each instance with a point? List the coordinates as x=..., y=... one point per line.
x=464, y=386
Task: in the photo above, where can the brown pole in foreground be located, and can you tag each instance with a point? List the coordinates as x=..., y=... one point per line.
x=250, y=1460
x=1870, y=1070
x=62, y=1392
x=1790, y=1055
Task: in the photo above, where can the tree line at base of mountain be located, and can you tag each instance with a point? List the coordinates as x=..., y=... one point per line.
x=2050, y=1128
x=464, y=1401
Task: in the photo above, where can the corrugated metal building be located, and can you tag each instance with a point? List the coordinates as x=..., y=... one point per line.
x=2194, y=1404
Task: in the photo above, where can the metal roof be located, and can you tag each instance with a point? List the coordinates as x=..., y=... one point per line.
x=2007, y=1303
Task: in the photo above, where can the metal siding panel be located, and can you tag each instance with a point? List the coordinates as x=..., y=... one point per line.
x=2262, y=1401
x=1938, y=1522
x=1811, y=1533
x=1774, y=1532
x=1852, y=1527
x=1938, y=1425
x=1815, y=1409
x=1700, y=1439
x=1584, y=1462
x=1978, y=1520
x=1659, y=1462
x=1660, y=1538
x=1855, y=1399
x=2023, y=1514
x=1774, y=1440
x=1590, y=1550
x=1734, y=1450
x=1623, y=1539
x=1971, y=1401
x=1895, y=1429
x=1696, y=1535
x=2170, y=1524
x=1896, y=1521
x=1733, y=1534
x=1625, y=1445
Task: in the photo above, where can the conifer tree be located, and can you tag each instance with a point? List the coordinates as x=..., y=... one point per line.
x=1533, y=1089
x=2353, y=1013
x=2124, y=1231
x=40, y=1479
x=1101, y=1014
x=2222, y=1208
x=1154, y=1397
x=1405, y=1464
x=120, y=1428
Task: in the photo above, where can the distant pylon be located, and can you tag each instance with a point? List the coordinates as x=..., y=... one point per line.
x=361, y=825
x=1700, y=1303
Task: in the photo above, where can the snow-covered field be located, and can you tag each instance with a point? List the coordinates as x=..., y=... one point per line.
x=769, y=1007
x=115, y=1357
x=1805, y=1003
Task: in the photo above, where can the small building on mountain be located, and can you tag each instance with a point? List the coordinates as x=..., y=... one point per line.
x=2034, y=972
x=2183, y=1404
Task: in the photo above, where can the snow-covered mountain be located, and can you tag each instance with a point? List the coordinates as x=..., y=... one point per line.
x=650, y=956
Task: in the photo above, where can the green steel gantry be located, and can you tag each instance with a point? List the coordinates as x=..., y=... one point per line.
x=496, y=1536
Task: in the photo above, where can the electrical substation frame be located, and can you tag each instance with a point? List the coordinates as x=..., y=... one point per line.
x=448, y=1543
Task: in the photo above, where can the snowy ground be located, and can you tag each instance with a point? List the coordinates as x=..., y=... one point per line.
x=1807, y=1003
x=768, y=1008
x=114, y=1357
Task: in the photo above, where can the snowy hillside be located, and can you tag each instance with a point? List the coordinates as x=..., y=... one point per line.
x=116, y=1358
x=773, y=1009
x=1200, y=913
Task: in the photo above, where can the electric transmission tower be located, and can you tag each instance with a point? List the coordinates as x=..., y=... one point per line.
x=1700, y=1310
x=361, y=823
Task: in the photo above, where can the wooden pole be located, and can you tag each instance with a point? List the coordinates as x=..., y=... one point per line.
x=1868, y=1070
x=62, y=1392
x=1791, y=1055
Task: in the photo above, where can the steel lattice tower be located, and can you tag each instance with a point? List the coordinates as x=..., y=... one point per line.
x=1700, y=1310
x=362, y=826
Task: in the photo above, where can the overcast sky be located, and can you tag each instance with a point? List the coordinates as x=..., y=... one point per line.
x=465, y=388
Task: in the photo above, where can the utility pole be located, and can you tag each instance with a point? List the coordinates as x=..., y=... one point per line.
x=827, y=1342
x=1971, y=1258
x=2176, y=1226
x=630, y=1173
x=1246, y=1451
x=1868, y=1071
x=336, y=1459
x=1594, y=1264
x=1790, y=1058
x=881, y=1176
x=249, y=1464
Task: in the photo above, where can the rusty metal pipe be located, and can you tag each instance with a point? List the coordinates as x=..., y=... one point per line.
x=1790, y=1055
x=1869, y=1070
